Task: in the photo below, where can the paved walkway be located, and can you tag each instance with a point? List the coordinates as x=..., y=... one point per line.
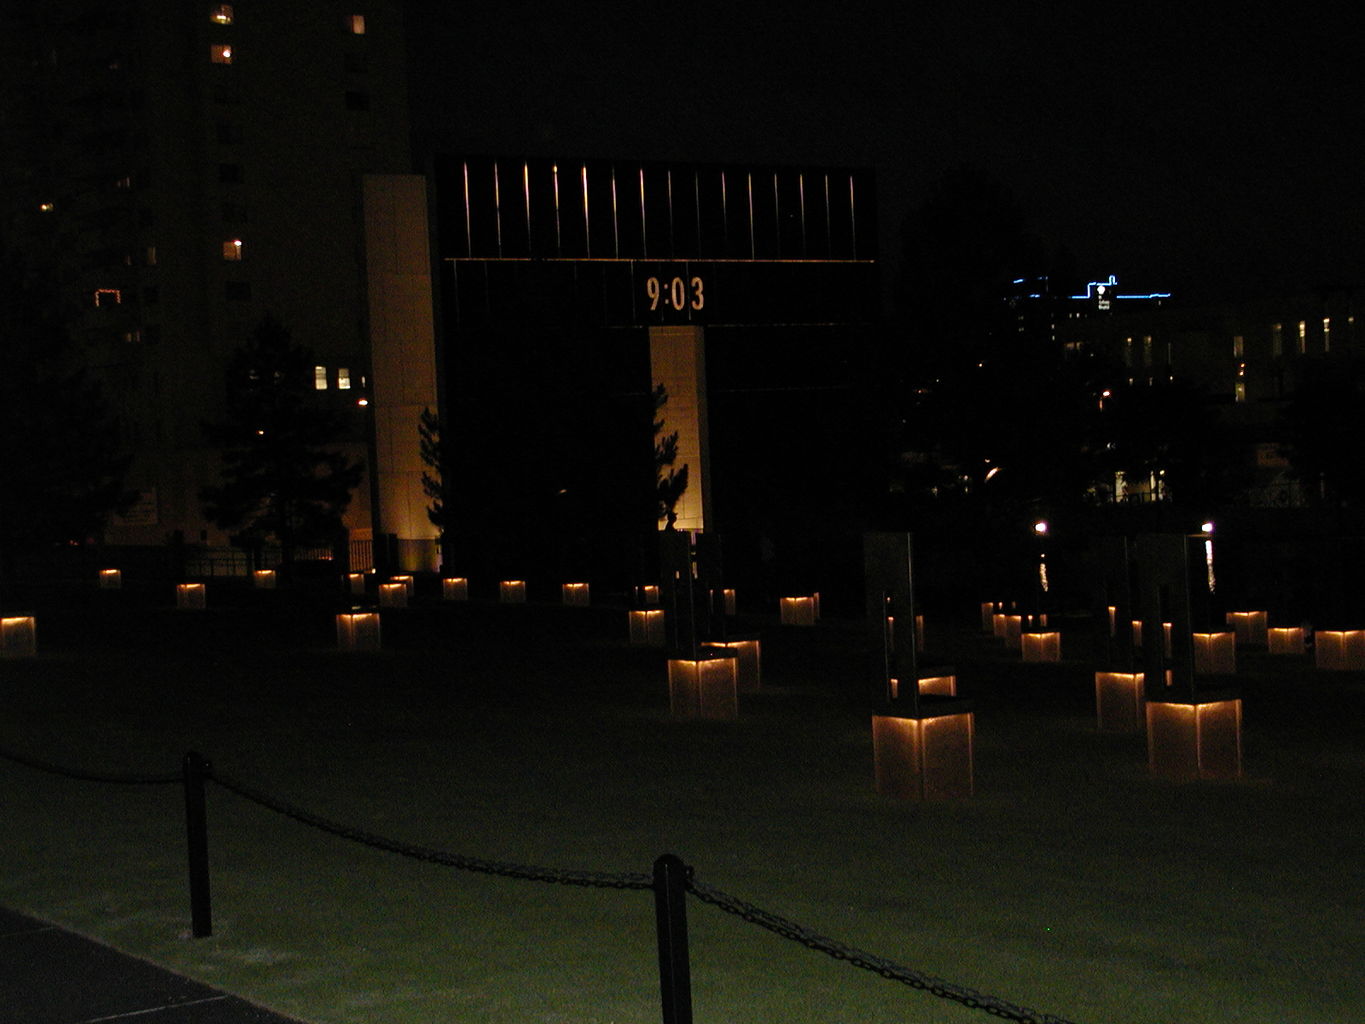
x=51, y=976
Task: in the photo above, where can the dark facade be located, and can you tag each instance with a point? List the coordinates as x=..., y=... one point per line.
x=552, y=275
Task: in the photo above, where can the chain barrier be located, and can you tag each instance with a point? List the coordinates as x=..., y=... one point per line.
x=787, y=929
x=868, y=961
x=119, y=779
x=528, y=872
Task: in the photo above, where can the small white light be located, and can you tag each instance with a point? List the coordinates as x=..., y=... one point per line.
x=1040, y=527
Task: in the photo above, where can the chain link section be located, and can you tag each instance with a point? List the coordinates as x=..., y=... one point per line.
x=868, y=961
x=528, y=872
x=118, y=779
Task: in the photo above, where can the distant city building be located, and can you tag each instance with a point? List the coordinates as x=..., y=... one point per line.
x=184, y=169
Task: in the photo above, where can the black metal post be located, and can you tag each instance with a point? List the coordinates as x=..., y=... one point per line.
x=670, y=914
x=196, y=769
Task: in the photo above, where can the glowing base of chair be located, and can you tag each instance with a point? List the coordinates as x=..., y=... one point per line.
x=393, y=595
x=1285, y=640
x=1250, y=627
x=927, y=755
x=1120, y=701
x=190, y=596
x=647, y=627
x=797, y=611
x=748, y=663
x=1198, y=739
x=18, y=636
x=455, y=588
x=358, y=631
x=512, y=591
x=1339, y=650
x=1041, y=646
x=1215, y=654
x=703, y=687
x=576, y=594
x=935, y=684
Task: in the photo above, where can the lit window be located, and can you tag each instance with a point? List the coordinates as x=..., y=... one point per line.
x=151, y=255
x=1277, y=339
x=343, y=378
x=356, y=23
x=1303, y=336
x=1327, y=334
x=1146, y=350
x=320, y=378
x=220, y=53
x=1239, y=390
x=46, y=207
x=232, y=250
x=124, y=183
x=1238, y=346
x=107, y=297
x=221, y=14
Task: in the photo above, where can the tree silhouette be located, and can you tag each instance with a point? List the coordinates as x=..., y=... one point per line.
x=282, y=477
x=670, y=483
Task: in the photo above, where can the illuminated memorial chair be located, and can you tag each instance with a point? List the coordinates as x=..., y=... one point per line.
x=748, y=660
x=1120, y=701
x=798, y=611
x=190, y=596
x=18, y=636
x=1192, y=733
x=922, y=738
x=704, y=686
x=1250, y=627
x=358, y=631
x=647, y=627
x=1286, y=640
x=1041, y=646
x=1215, y=653
x=1339, y=649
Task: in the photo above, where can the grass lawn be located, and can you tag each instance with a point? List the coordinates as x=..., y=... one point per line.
x=1072, y=882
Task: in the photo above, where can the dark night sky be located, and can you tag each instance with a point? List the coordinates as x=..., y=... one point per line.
x=1178, y=146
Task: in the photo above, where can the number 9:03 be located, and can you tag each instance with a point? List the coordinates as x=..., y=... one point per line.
x=674, y=293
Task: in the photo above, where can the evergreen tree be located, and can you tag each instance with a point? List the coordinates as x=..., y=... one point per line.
x=282, y=477
x=670, y=483
x=440, y=509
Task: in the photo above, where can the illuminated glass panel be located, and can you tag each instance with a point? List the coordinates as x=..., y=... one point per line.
x=1303, y=336
x=1327, y=334
x=220, y=53
x=320, y=378
x=343, y=378
x=1238, y=346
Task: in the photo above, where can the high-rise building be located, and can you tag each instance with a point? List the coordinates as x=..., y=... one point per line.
x=183, y=169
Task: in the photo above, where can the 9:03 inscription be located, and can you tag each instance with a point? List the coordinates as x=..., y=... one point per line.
x=676, y=294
